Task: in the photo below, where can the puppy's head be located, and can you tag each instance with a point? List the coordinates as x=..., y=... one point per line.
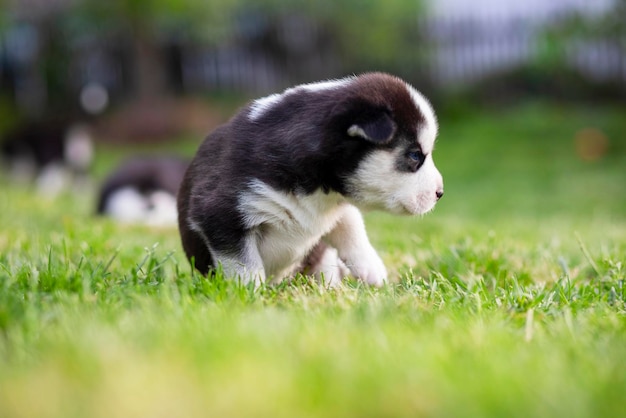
x=398, y=127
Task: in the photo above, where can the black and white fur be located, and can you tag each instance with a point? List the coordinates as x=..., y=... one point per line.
x=142, y=190
x=276, y=189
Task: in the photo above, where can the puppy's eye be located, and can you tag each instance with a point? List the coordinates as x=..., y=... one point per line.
x=416, y=156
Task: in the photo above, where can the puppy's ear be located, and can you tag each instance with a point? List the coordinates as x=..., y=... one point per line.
x=378, y=128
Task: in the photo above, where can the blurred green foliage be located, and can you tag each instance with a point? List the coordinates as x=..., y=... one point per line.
x=365, y=32
x=362, y=27
x=148, y=17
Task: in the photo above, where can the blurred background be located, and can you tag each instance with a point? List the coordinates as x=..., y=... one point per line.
x=148, y=71
x=89, y=58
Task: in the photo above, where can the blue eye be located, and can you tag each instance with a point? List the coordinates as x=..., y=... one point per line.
x=416, y=156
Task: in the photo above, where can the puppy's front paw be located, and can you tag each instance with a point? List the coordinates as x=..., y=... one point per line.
x=369, y=268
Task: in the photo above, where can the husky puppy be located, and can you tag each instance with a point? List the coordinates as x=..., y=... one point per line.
x=278, y=188
x=142, y=190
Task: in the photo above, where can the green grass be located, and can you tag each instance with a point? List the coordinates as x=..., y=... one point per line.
x=507, y=301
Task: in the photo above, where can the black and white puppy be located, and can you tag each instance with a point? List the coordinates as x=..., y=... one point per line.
x=142, y=190
x=276, y=189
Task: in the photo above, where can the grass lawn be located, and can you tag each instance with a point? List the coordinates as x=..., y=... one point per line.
x=507, y=301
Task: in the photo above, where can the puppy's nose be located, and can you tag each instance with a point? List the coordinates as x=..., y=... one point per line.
x=439, y=193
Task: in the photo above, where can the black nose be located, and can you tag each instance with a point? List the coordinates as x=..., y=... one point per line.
x=439, y=193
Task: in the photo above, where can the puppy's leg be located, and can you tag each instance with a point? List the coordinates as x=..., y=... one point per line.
x=350, y=239
x=324, y=263
x=246, y=267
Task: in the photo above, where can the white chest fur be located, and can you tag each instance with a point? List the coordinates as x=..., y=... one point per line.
x=287, y=225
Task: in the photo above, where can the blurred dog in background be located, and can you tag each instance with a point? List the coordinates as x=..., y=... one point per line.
x=143, y=190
